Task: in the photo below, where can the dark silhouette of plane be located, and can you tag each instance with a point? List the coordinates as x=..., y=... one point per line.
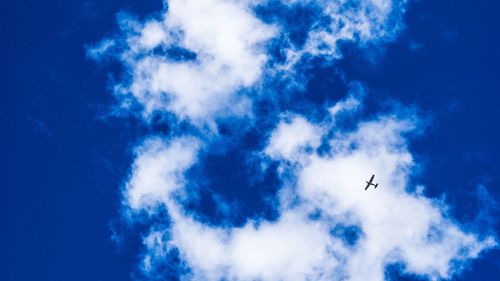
x=370, y=182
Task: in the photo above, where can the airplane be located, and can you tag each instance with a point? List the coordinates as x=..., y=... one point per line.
x=371, y=183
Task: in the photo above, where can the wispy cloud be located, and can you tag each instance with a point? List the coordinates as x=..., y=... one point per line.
x=40, y=127
x=209, y=61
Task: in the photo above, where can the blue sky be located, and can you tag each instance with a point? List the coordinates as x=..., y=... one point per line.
x=72, y=185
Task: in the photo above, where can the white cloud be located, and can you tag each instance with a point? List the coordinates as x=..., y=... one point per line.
x=153, y=34
x=158, y=170
x=292, y=248
x=293, y=137
x=227, y=42
x=348, y=104
x=222, y=55
x=396, y=225
x=340, y=21
x=345, y=105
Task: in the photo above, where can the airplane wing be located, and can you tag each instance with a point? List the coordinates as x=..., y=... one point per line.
x=368, y=185
x=371, y=179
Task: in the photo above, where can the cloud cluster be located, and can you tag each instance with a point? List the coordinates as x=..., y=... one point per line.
x=362, y=22
x=198, y=52
x=329, y=228
x=204, y=61
x=201, y=51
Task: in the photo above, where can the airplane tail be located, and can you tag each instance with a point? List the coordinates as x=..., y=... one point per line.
x=376, y=185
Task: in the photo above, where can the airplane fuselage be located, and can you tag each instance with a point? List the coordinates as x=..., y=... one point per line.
x=370, y=183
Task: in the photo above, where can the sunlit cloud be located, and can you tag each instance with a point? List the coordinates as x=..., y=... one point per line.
x=205, y=61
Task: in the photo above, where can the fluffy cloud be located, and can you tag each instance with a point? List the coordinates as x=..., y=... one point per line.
x=158, y=171
x=307, y=242
x=397, y=225
x=265, y=250
x=198, y=52
x=207, y=60
x=291, y=137
x=201, y=51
